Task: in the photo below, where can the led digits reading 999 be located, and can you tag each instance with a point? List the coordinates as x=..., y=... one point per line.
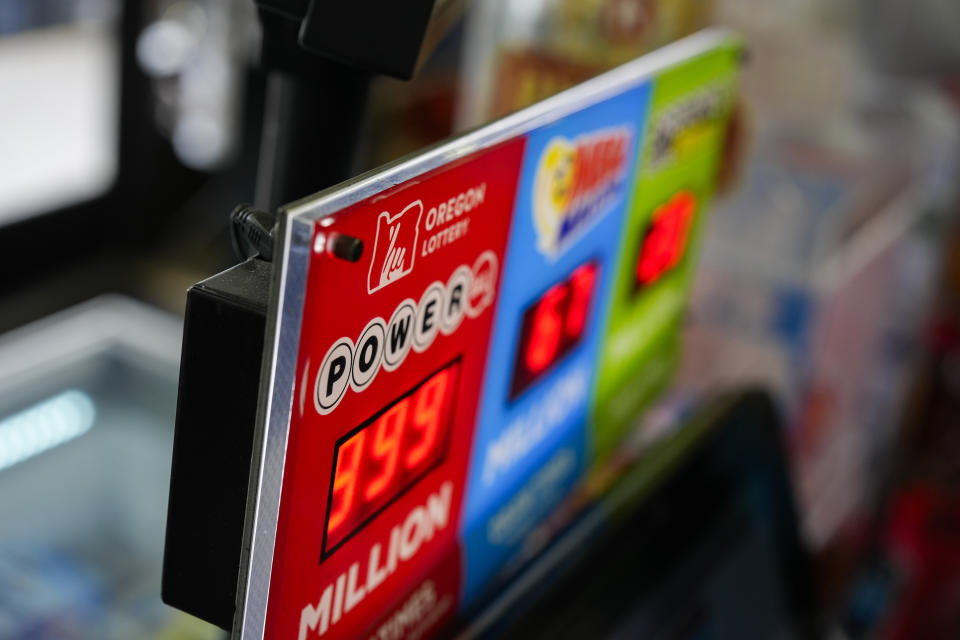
x=666, y=239
x=388, y=453
x=552, y=326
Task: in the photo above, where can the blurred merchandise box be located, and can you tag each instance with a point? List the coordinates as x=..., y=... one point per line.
x=817, y=277
x=517, y=53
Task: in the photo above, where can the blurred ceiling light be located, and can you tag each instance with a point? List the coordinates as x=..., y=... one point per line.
x=163, y=47
x=166, y=46
x=45, y=425
x=200, y=140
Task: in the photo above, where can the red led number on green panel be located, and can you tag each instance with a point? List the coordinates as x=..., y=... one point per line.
x=666, y=240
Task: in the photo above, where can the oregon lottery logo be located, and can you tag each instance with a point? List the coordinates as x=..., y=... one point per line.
x=395, y=246
x=577, y=182
x=413, y=325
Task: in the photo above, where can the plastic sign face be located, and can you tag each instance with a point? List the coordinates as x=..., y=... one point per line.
x=516, y=303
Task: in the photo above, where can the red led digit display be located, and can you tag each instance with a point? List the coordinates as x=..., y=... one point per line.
x=552, y=326
x=666, y=239
x=380, y=459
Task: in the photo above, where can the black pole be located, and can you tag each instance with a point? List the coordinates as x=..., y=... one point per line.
x=312, y=122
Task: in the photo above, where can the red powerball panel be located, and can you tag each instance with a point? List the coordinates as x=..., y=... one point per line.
x=390, y=365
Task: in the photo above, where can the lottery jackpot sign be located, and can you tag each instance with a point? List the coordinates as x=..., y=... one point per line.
x=426, y=406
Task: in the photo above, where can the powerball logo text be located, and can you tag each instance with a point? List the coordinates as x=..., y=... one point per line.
x=578, y=181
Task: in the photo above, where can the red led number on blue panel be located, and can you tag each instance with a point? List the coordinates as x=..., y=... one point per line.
x=552, y=326
x=388, y=453
x=666, y=239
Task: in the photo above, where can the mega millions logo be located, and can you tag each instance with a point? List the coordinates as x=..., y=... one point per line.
x=577, y=182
